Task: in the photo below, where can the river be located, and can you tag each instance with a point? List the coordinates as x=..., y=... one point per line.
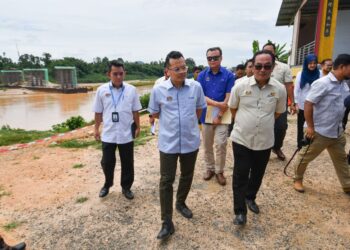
x=30, y=110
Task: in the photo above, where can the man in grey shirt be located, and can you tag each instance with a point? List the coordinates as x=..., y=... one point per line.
x=323, y=110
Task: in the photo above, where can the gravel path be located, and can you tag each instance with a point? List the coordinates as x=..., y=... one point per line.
x=44, y=188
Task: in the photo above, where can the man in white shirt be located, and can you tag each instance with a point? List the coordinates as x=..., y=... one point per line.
x=116, y=105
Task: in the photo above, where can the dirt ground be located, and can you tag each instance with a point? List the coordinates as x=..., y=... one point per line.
x=43, y=189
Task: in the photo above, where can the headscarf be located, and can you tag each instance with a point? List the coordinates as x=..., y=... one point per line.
x=309, y=76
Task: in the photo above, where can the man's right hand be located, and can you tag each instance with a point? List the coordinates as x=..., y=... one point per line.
x=222, y=106
x=97, y=135
x=310, y=132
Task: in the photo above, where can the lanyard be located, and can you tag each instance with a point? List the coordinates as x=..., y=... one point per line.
x=120, y=96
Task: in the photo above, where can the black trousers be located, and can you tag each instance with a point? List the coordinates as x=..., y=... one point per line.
x=280, y=130
x=248, y=172
x=345, y=118
x=126, y=154
x=168, y=164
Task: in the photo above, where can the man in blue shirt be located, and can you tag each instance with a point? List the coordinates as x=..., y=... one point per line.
x=323, y=111
x=216, y=82
x=178, y=103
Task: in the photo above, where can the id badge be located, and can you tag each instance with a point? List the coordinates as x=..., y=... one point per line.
x=115, y=117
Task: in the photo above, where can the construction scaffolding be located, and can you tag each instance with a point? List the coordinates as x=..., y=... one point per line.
x=11, y=77
x=66, y=77
x=36, y=77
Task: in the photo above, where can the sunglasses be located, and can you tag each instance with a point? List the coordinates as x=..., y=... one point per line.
x=179, y=69
x=265, y=66
x=213, y=58
x=118, y=73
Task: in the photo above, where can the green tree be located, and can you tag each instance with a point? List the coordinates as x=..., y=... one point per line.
x=280, y=52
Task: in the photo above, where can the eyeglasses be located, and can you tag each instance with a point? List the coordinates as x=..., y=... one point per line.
x=265, y=66
x=118, y=73
x=213, y=58
x=181, y=69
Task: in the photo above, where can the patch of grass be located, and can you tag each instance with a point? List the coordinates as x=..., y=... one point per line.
x=76, y=144
x=81, y=199
x=12, y=225
x=36, y=157
x=144, y=136
x=78, y=165
x=9, y=136
x=3, y=192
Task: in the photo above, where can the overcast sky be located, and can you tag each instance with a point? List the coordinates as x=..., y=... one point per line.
x=139, y=30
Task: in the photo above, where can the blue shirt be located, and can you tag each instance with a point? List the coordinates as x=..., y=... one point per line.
x=328, y=94
x=178, y=122
x=215, y=86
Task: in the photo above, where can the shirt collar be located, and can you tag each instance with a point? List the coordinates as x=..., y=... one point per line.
x=112, y=86
x=169, y=84
x=220, y=70
x=333, y=78
x=252, y=81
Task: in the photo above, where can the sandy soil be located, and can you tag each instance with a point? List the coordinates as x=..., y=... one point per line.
x=44, y=188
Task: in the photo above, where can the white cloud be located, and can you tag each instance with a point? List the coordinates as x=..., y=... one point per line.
x=143, y=30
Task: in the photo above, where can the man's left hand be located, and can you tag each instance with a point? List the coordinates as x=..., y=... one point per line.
x=137, y=132
x=216, y=121
x=293, y=109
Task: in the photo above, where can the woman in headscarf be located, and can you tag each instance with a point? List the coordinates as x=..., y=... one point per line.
x=302, y=85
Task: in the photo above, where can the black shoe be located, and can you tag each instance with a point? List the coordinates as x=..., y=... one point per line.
x=104, y=191
x=19, y=246
x=253, y=206
x=128, y=194
x=184, y=210
x=241, y=219
x=167, y=230
x=279, y=154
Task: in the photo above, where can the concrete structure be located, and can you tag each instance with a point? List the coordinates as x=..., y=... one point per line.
x=320, y=26
x=11, y=77
x=66, y=77
x=36, y=77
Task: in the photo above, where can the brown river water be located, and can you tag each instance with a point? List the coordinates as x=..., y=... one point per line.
x=30, y=110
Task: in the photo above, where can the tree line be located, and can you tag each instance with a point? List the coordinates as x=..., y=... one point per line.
x=94, y=71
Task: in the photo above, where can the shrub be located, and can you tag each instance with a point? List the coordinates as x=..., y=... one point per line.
x=145, y=100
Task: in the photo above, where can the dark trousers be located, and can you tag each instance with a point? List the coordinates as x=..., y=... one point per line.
x=168, y=164
x=280, y=130
x=248, y=172
x=301, y=121
x=126, y=154
x=345, y=118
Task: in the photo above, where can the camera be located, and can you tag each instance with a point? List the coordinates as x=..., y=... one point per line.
x=305, y=141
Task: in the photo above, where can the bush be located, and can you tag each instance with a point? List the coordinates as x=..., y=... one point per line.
x=145, y=100
x=72, y=123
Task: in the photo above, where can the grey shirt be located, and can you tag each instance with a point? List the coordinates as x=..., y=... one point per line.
x=328, y=94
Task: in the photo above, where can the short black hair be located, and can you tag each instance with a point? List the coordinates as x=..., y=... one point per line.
x=246, y=63
x=342, y=59
x=240, y=66
x=172, y=55
x=325, y=60
x=214, y=48
x=115, y=63
x=261, y=52
x=195, y=68
x=270, y=44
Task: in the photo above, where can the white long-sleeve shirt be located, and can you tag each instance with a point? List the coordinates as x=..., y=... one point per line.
x=300, y=94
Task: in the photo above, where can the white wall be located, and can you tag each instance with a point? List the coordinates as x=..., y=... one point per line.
x=342, y=34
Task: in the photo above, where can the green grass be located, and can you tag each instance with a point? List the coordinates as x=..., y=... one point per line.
x=76, y=144
x=3, y=192
x=78, y=165
x=12, y=225
x=36, y=157
x=81, y=199
x=9, y=136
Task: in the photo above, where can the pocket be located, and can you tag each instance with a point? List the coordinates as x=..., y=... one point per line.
x=269, y=105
